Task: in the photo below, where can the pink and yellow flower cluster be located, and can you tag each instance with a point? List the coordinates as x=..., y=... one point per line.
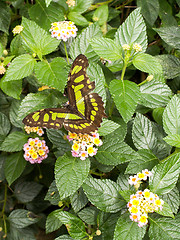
x=136, y=179
x=142, y=203
x=37, y=130
x=84, y=145
x=35, y=150
x=63, y=30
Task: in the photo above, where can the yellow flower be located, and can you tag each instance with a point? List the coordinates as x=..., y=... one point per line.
x=137, y=47
x=41, y=152
x=126, y=47
x=2, y=69
x=134, y=210
x=70, y=3
x=135, y=202
x=75, y=147
x=17, y=29
x=90, y=150
x=34, y=155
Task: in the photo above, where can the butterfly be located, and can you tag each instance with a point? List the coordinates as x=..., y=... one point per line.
x=83, y=113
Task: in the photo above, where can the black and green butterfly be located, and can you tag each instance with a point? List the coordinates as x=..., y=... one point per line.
x=85, y=110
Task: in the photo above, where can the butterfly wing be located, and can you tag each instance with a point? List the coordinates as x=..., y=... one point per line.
x=49, y=118
x=88, y=105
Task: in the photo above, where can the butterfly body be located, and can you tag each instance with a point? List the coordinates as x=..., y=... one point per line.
x=83, y=113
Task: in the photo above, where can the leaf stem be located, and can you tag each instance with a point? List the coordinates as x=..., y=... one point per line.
x=66, y=53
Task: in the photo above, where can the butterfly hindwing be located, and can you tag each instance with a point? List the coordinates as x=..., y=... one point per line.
x=85, y=110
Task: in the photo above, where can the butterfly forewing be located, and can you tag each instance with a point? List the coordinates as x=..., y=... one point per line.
x=85, y=110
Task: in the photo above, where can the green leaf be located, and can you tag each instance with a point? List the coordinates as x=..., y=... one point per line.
x=21, y=218
x=14, y=142
x=78, y=200
x=53, y=74
x=126, y=95
x=48, y=2
x=164, y=228
x=107, y=127
x=74, y=225
x=123, y=183
x=11, y=88
x=72, y=172
x=171, y=116
x=170, y=35
x=64, y=237
x=170, y=65
x=57, y=138
x=5, y=17
x=172, y=198
x=27, y=191
x=104, y=194
x=53, y=223
x=82, y=43
x=147, y=63
x=155, y=94
x=20, y=67
x=101, y=14
x=147, y=160
x=165, y=175
x=114, y=151
x=89, y=215
x=1, y=49
x=16, y=46
x=44, y=15
x=36, y=101
x=8, y=60
x=107, y=223
x=143, y=133
x=53, y=194
x=5, y=125
x=78, y=19
x=173, y=140
x=106, y=48
x=158, y=114
x=13, y=113
x=95, y=73
x=81, y=6
x=127, y=229
x=166, y=211
x=14, y=166
x=21, y=233
x=133, y=30
x=37, y=39
x=149, y=10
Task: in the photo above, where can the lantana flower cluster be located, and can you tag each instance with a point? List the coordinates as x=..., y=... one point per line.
x=71, y=3
x=136, y=46
x=136, y=179
x=35, y=150
x=84, y=145
x=17, y=29
x=37, y=130
x=143, y=202
x=63, y=30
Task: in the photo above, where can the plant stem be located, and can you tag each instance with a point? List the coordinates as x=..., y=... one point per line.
x=124, y=4
x=66, y=53
x=143, y=82
x=3, y=210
